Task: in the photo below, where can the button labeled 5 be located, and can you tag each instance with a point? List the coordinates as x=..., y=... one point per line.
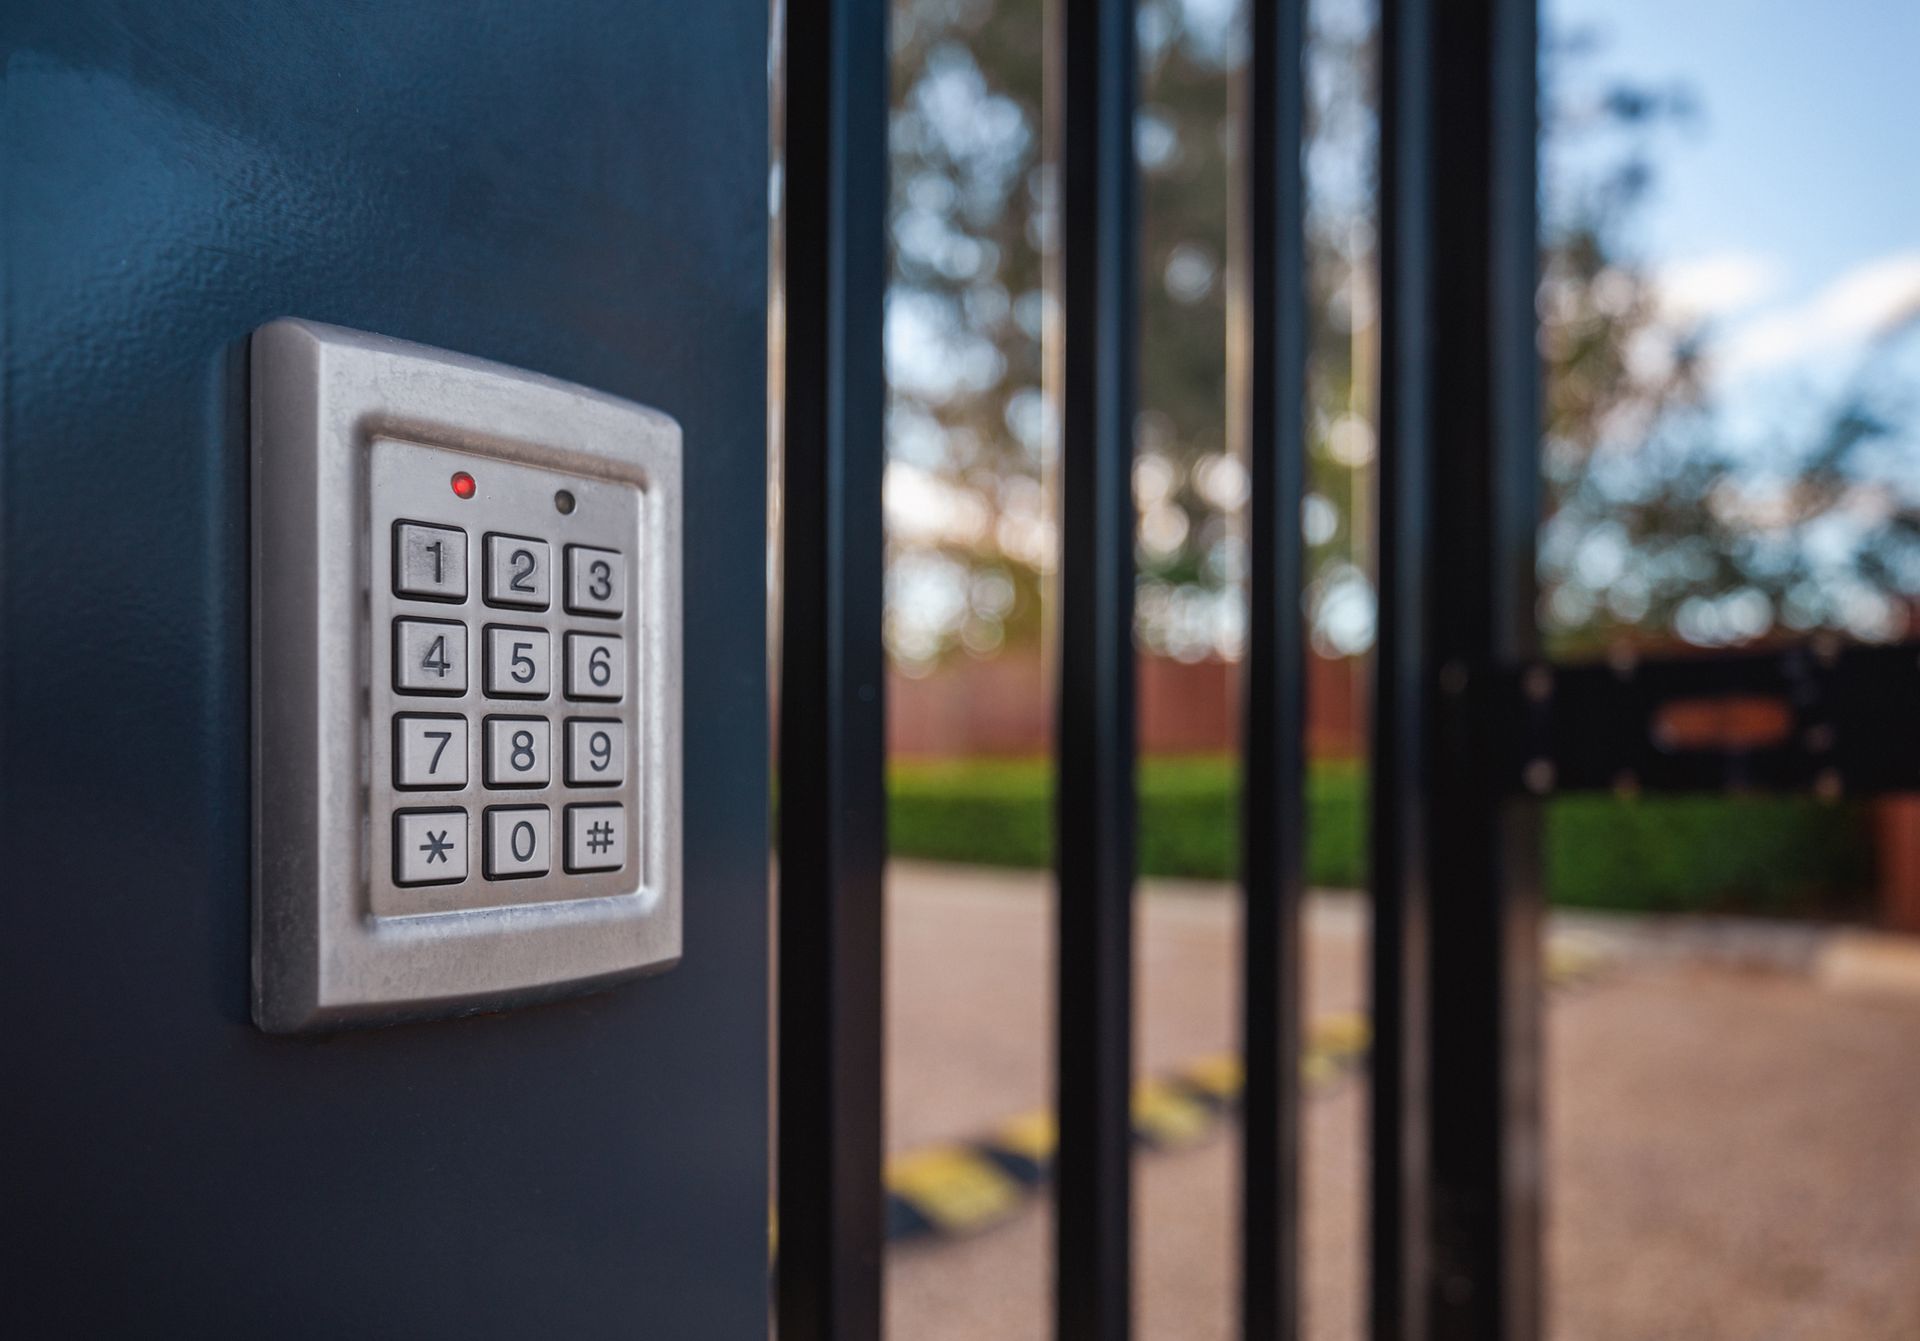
x=430, y=656
x=429, y=751
x=519, y=662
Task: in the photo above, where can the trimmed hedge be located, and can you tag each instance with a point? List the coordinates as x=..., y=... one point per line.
x=1753, y=854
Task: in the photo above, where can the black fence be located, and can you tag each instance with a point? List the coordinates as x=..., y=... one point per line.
x=1471, y=728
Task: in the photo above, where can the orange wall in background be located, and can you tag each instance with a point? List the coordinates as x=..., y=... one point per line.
x=1003, y=706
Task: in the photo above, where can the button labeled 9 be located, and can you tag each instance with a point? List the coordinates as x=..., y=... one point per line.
x=596, y=752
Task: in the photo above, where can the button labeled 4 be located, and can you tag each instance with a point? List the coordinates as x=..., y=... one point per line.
x=430, y=656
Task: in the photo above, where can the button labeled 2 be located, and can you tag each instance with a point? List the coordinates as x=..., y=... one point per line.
x=517, y=572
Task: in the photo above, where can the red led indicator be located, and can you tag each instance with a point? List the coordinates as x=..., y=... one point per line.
x=463, y=485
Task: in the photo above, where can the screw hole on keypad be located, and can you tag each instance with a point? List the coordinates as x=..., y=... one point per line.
x=563, y=502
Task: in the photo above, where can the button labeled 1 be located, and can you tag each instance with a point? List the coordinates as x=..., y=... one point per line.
x=429, y=562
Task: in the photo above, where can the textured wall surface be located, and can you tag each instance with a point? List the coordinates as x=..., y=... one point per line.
x=577, y=188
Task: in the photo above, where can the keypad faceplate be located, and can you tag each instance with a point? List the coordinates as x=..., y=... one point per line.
x=506, y=686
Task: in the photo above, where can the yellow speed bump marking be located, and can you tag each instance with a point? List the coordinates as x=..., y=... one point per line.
x=1220, y=1075
x=1167, y=1117
x=958, y=1190
x=1342, y=1036
x=1031, y=1136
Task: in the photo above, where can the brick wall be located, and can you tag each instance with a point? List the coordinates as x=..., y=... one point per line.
x=1003, y=705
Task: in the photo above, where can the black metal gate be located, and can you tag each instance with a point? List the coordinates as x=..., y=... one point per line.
x=1472, y=728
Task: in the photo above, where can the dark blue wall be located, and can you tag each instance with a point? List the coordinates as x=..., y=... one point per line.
x=573, y=186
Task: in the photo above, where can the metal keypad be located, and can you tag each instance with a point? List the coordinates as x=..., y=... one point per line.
x=520, y=785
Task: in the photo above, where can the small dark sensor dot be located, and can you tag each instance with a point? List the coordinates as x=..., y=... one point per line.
x=564, y=501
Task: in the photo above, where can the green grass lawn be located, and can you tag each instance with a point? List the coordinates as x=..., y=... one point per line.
x=1786, y=855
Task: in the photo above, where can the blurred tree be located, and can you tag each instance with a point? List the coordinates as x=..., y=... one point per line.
x=1660, y=522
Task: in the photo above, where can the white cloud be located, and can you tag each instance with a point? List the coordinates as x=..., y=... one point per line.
x=1866, y=301
x=1717, y=284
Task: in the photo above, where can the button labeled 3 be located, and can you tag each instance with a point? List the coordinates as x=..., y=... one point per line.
x=596, y=581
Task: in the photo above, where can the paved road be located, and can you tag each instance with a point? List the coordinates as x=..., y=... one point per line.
x=1734, y=1152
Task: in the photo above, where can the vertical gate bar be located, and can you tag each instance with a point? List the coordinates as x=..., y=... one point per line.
x=832, y=797
x=1093, y=53
x=1457, y=1013
x=1273, y=822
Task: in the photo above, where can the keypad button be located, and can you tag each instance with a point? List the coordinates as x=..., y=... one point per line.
x=596, y=752
x=517, y=752
x=429, y=751
x=519, y=662
x=519, y=842
x=518, y=572
x=429, y=562
x=429, y=847
x=596, y=581
x=596, y=838
x=596, y=666
x=430, y=656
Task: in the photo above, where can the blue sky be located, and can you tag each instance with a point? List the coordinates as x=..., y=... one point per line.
x=1789, y=208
